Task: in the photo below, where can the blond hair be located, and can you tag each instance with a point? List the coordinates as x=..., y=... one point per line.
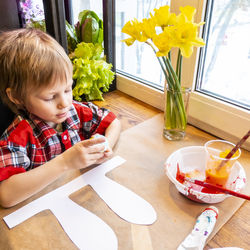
x=30, y=59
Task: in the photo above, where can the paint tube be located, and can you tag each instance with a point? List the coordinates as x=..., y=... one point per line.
x=205, y=223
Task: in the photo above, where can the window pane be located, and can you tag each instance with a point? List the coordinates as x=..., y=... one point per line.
x=138, y=60
x=80, y=5
x=226, y=61
x=33, y=13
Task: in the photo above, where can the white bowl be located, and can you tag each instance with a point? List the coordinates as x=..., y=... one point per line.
x=194, y=158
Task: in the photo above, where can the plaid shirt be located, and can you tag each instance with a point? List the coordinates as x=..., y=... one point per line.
x=30, y=142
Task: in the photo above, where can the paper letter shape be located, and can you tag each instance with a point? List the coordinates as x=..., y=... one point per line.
x=85, y=229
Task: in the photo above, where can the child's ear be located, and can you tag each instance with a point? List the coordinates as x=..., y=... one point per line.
x=10, y=95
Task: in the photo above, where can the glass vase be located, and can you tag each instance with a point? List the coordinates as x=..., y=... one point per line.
x=175, y=113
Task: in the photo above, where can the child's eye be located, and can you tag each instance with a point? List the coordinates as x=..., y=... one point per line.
x=49, y=99
x=68, y=90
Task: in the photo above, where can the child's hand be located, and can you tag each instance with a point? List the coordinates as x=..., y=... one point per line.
x=105, y=143
x=108, y=152
x=85, y=153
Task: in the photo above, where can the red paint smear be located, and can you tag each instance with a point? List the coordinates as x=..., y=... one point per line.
x=193, y=197
x=199, y=189
x=181, y=178
x=179, y=175
x=203, y=189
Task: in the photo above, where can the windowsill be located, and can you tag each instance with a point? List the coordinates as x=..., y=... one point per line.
x=219, y=118
x=140, y=91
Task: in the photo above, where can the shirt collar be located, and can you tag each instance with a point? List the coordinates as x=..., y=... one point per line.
x=72, y=121
x=44, y=131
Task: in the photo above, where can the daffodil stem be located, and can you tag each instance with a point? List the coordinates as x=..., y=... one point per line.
x=175, y=109
x=176, y=97
x=160, y=62
x=179, y=65
x=173, y=74
x=169, y=55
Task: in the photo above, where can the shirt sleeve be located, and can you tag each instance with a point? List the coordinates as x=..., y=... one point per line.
x=94, y=119
x=13, y=160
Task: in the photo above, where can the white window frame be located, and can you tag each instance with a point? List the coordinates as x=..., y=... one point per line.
x=219, y=118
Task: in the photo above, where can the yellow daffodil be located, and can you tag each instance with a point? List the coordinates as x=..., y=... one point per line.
x=185, y=37
x=148, y=28
x=163, y=42
x=176, y=31
x=163, y=17
x=134, y=29
x=188, y=12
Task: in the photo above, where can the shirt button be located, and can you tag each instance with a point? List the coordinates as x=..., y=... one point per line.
x=65, y=137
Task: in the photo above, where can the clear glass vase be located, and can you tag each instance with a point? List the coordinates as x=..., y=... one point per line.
x=175, y=113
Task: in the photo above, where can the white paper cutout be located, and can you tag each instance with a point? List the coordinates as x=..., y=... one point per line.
x=84, y=228
x=124, y=202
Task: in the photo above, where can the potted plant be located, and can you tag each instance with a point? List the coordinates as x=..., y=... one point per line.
x=91, y=72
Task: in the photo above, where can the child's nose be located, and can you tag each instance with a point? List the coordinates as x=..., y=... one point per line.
x=63, y=103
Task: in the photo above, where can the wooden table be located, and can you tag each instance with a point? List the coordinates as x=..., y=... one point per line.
x=44, y=232
x=130, y=111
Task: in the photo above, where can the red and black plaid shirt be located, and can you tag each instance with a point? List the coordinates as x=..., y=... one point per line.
x=30, y=142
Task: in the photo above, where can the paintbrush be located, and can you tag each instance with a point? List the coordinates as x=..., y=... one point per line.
x=181, y=178
x=231, y=153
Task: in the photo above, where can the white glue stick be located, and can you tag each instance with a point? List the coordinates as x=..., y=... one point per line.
x=205, y=223
x=106, y=143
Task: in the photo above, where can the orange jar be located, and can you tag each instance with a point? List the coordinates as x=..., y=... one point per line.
x=217, y=177
x=216, y=151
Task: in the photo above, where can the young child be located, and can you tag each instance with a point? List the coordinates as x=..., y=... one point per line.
x=50, y=134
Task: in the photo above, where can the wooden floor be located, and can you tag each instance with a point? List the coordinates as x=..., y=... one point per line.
x=130, y=111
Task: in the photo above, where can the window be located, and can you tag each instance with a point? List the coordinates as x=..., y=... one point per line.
x=134, y=61
x=80, y=5
x=226, y=59
x=219, y=103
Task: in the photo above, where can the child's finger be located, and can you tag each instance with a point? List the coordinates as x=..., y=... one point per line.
x=108, y=153
x=103, y=159
x=96, y=156
x=91, y=142
x=96, y=148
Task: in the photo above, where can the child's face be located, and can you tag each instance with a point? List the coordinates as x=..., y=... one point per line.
x=52, y=103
